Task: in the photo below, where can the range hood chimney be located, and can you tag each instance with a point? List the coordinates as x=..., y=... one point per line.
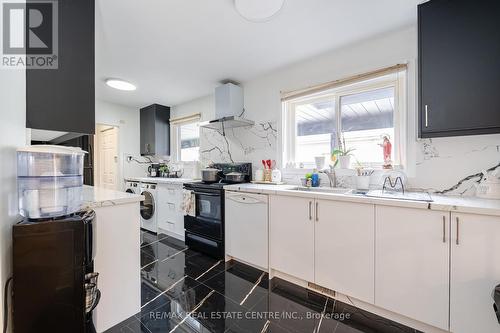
x=228, y=109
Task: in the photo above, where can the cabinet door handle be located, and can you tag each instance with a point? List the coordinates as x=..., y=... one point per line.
x=426, y=116
x=458, y=222
x=317, y=215
x=444, y=229
x=310, y=210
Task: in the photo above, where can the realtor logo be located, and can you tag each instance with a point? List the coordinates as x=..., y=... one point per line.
x=29, y=34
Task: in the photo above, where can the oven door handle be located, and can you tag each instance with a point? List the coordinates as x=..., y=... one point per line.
x=207, y=194
x=206, y=219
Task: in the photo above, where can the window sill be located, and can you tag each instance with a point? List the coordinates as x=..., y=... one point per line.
x=299, y=171
x=188, y=162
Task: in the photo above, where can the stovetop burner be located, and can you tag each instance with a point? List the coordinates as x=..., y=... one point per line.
x=226, y=168
x=217, y=184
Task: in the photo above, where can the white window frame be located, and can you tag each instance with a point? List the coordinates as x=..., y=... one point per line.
x=175, y=138
x=397, y=80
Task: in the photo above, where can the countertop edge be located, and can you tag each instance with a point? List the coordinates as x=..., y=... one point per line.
x=94, y=197
x=160, y=180
x=441, y=203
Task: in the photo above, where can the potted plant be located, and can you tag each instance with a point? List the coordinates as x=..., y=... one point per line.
x=164, y=171
x=342, y=155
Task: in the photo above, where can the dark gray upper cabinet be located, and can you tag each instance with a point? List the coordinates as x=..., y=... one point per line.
x=63, y=99
x=155, y=130
x=459, y=67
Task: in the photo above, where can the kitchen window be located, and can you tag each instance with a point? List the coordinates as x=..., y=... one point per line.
x=185, y=138
x=356, y=116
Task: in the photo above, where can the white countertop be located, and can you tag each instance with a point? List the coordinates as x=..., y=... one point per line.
x=160, y=180
x=458, y=204
x=101, y=197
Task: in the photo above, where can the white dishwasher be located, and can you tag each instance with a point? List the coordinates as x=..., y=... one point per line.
x=246, y=226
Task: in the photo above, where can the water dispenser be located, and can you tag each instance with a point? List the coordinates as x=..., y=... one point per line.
x=50, y=180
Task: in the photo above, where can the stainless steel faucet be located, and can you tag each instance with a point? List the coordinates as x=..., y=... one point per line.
x=331, y=176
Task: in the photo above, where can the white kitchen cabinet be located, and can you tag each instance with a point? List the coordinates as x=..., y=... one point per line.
x=475, y=271
x=291, y=241
x=170, y=216
x=246, y=227
x=412, y=263
x=345, y=248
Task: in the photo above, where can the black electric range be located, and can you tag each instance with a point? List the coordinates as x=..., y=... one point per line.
x=205, y=230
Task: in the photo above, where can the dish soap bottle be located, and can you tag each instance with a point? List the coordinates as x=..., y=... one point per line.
x=315, y=178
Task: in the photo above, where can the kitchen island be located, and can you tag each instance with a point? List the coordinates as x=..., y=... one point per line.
x=117, y=254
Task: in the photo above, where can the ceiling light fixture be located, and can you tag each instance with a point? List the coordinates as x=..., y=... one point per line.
x=258, y=10
x=120, y=84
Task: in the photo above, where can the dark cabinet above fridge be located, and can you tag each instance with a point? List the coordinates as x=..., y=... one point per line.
x=459, y=67
x=63, y=98
x=155, y=130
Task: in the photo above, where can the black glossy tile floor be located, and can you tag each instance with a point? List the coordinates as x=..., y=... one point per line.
x=186, y=291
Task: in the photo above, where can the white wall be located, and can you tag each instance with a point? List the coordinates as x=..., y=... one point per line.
x=262, y=95
x=436, y=163
x=12, y=136
x=128, y=121
x=204, y=105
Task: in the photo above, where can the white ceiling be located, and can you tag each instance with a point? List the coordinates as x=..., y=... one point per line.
x=178, y=50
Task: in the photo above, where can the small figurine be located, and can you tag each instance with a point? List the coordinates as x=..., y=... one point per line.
x=387, y=151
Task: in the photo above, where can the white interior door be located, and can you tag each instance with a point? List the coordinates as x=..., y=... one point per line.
x=108, y=157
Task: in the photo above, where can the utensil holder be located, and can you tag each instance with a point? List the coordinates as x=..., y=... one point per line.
x=268, y=175
x=363, y=182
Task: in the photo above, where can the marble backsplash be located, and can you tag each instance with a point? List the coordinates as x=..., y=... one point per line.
x=241, y=144
x=439, y=164
x=442, y=162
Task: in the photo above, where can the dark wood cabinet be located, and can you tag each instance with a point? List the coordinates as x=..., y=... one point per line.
x=155, y=130
x=63, y=99
x=459, y=67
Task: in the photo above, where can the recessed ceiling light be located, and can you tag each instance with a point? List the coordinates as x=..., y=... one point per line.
x=258, y=10
x=120, y=84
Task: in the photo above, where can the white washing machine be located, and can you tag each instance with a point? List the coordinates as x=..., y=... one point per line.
x=148, y=207
x=132, y=187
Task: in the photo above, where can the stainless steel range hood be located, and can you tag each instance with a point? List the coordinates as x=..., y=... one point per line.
x=228, y=109
x=227, y=122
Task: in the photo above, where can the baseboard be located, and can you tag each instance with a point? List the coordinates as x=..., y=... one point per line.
x=357, y=303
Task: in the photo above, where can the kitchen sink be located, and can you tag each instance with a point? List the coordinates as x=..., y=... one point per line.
x=414, y=196
x=336, y=190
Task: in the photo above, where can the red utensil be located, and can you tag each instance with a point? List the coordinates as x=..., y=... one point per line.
x=264, y=164
x=268, y=162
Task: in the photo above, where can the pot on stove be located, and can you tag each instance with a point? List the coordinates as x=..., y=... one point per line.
x=210, y=175
x=235, y=177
